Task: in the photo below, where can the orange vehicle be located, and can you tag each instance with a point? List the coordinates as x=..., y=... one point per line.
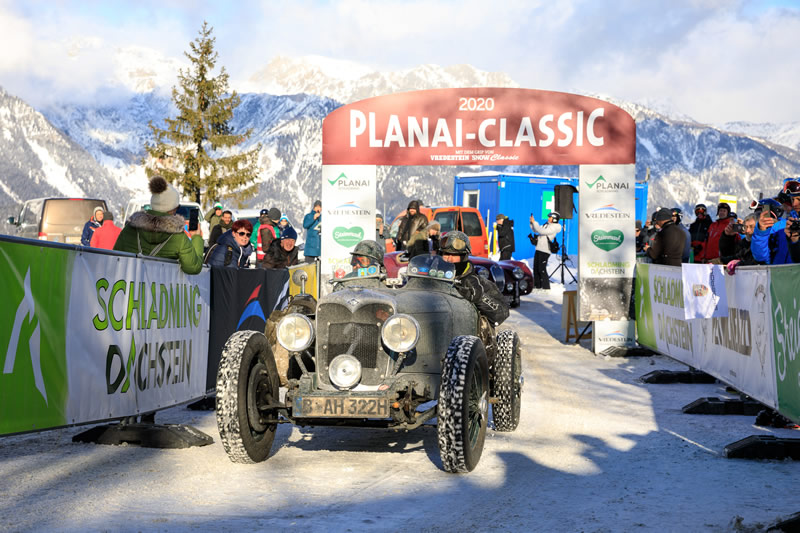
x=466, y=219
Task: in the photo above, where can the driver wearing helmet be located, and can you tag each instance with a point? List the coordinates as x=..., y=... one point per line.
x=483, y=294
x=366, y=254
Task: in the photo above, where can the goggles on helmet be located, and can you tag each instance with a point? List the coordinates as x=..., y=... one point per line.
x=792, y=188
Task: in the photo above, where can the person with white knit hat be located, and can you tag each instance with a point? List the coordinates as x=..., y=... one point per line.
x=159, y=232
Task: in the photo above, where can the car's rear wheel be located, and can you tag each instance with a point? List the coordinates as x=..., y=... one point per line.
x=463, y=407
x=507, y=385
x=247, y=385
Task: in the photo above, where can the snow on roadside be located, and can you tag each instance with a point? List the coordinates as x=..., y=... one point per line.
x=596, y=450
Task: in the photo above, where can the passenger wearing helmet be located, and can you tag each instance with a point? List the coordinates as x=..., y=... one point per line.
x=483, y=294
x=549, y=230
x=676, y=218
x=776, y=241
x=367, y=253
x=715, y=229
x=698, y=231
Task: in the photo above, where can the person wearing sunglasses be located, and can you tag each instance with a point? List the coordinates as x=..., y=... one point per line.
x=776, y=240
x=233, y=247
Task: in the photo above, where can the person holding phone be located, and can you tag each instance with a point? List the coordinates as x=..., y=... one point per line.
x=735, y=242
x=160, y=232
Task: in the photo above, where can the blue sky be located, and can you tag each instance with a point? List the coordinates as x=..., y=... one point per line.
x=715, y=60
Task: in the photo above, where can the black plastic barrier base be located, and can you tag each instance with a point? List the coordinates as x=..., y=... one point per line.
x=622, y=351
x=717, y=406
x=146, y=435
x=790, y=524
x=677, y=376
x=206, y=404
x=763, y=447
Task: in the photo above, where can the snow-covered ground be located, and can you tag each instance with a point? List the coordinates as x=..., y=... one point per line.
x=596, y=450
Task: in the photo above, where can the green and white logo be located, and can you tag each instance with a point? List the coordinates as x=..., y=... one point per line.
x=548, y=203
x=348, y=237
x=343, y=182
x=645, y=327
x=607, y=240
x=599, y=178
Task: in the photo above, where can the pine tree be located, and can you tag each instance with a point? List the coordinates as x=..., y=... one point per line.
x=183, y=152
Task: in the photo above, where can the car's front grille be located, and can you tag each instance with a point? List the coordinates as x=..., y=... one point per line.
x=359, y=340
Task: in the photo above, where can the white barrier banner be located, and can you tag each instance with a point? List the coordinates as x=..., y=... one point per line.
x=704, y=293
x=736, y=348
x=137, y=336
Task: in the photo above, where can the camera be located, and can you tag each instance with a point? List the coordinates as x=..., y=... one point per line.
x=794, y=226
x=738, y=228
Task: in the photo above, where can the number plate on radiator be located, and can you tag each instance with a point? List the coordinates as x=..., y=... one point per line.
x=341, y=407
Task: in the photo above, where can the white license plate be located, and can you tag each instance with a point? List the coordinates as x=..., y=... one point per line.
x=341, y=407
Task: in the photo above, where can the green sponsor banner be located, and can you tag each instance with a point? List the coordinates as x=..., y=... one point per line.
x=645, y=327
x=785, y=290
x=548, y=204
x=34, y=281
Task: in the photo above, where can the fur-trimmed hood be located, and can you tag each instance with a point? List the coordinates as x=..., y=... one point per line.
x=157, y=223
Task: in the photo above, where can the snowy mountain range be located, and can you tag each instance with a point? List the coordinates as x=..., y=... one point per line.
x=97, y=149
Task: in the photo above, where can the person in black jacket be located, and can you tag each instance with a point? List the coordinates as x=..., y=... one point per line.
x=667, y=247
x=282, y=252
x=410, y=223
x=225, y=223
x=505, y=236
x=698, y=231
x=732, y=246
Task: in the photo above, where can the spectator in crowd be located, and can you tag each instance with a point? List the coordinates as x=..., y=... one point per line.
x=549, y=229
x=92, y=224
x=775, y=239
x=312, y=224
x=225, y=223
x=677, y=215
x=214, y=215
x=159, y=232
x=282, y=252
x=639, y=237
x=698, y=231
x=421, y=242
x=268, y=231
x=733, y=247
x=381, y=231
x=668, y=245
x=410, y=223
x=232, y=248
x=715, y=229
x=505, y=236
x=283, y=222
x=106, y=235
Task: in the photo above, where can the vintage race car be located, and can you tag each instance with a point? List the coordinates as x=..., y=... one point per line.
x=373, y=354
x=513, y=278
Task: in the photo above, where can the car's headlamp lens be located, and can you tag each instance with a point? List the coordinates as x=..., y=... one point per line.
x=400, y=333
x=295, y=332
x=483, y=272
x=345, y=371
x=518, y=273
x=523, y=285
x=509, y=286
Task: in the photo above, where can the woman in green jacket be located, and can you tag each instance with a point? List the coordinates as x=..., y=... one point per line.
x=159, y=232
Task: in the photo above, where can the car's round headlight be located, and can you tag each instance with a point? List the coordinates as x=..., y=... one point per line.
x=518, y=273
x=295, y=332
x=523, y=285
x=509, y=286
x=400, y=333
x=482, y=272
x=345, y=371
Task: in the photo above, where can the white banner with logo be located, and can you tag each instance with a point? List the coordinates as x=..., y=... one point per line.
x=613, y=333
x=137, y=336
x=606, y=246
x=736, y=348
x=348, y=216
x=704, y=294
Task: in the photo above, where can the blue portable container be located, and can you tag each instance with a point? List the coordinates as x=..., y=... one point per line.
x=518, y=196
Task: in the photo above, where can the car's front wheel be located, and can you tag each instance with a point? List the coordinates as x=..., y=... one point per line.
x=463, y=408
x=247, y=391
x=507, y=384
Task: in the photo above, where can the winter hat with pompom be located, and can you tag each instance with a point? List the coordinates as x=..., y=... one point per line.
x=164, y=196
